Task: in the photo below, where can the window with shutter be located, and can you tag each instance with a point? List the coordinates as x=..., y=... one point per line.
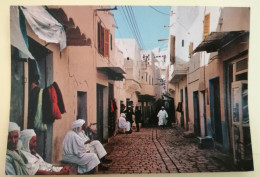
x=172, y=49
x=106, y=42
x=191, y=49
x=206, y=26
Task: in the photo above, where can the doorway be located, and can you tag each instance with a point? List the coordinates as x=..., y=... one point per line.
x=182, y=112
x=215, y=110
x=186, y=109
x=44, y=58
x=196, y=113
x=100, y=112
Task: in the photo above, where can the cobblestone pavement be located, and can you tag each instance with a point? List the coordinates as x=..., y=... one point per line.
x=155, y=150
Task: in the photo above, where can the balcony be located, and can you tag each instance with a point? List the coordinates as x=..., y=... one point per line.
x=179, y=71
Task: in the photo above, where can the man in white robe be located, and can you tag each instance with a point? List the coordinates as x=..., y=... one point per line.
x=36, y=165
x=15, y=160
x=94, y=146
x=122, y=123
x=162, y=116
x=74, y=151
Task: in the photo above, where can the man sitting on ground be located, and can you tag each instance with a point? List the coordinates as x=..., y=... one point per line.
x=15, y=159
x=123, y=124
x=36, y=165
x=94, y=146
x=74, y=151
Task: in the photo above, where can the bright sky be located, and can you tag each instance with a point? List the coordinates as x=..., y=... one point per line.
x=150, y=22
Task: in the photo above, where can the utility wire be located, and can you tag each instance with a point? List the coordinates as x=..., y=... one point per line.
x=134, y=26
x=159, y=11
x=133, y=16
x=134, y=34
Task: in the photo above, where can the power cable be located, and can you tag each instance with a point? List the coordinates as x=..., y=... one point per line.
x=133, y=26
x=138, y=31
x=159, y=11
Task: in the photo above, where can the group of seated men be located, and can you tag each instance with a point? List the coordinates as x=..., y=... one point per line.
x=22, y=158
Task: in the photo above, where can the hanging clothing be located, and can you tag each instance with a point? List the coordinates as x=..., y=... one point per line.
x=60, y=98
x=112, y=106
x=74, y=151
x=46, y=107
x=38, y=124
x=45, y=26
x=162, y=115
x=94, y=146
x=179, y=107
x=56, y=114
x=15, y=163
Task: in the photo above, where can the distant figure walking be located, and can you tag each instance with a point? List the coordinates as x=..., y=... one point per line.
x=138, y=115
x=162, y=116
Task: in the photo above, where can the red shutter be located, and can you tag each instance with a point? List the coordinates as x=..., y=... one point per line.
x=106, y=42
x=101, y=40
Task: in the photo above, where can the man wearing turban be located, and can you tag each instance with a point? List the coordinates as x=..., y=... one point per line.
x=36, y=165
x=94, y=146
x=74, y=151
x=15, y=159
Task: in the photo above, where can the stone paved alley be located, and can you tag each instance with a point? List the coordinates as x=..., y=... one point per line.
x=155, y=150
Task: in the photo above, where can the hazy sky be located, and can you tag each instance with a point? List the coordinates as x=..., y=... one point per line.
x=150, y=22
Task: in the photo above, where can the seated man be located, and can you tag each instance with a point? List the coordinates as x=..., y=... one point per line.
x=36, y=165
x=123, y=124
x=15, y=159
x=94, y=146
x=74, y=151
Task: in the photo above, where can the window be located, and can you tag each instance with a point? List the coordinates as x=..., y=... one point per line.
x=111, y=44
x=82, y=105
x=172, y=49
x=182, y=43
x=190, y=49
x=146, y=76
x=206, y=26
x=103, y=40
x=149, y=79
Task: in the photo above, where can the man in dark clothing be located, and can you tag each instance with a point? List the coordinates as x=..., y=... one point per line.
x=129, y=114
x=137, y=118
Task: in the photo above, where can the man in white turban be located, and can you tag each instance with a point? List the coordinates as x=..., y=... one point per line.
x=94, y=146
x=162, y=116
x=15, y=159
x=122, y=123
x=36, y=165
x=74, y=151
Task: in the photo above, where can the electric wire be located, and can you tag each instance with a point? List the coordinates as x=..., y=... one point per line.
x=159, y=11
x=134, y=34
x=132, y=12
x=133, y=25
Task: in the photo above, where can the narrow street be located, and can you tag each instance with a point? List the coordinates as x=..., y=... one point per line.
x=155, y=150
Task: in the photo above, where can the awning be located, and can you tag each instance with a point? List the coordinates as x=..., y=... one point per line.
x=113, y=73
x=73, y=33
x=145, y=98
x=217, y=40
x=17, y=39
x=45, y=26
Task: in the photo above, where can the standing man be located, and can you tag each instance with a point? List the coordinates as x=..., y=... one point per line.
x=129, y=114
x=74, y=151
x=162, y=116
x=15, y=160
x=138, y=115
